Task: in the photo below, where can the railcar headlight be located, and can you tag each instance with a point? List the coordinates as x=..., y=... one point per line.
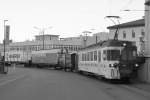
x=136, y=65
x=111, y=65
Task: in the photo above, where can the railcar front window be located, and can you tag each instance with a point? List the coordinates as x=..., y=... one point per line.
x=113, y=55
x=128, y=54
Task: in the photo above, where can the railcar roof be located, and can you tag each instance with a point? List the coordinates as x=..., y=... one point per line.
x=109, y=43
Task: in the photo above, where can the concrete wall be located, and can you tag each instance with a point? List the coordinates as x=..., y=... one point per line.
x=145, y=70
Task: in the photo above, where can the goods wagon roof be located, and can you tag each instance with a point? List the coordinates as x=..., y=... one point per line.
x=47, y=51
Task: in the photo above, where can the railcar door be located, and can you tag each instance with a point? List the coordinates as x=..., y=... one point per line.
x=102, y=62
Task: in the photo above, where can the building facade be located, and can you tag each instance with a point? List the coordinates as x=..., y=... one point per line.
x=95, y=38
x=53, y=42
x=131, y=31
x=50, y=42
x=46, y=37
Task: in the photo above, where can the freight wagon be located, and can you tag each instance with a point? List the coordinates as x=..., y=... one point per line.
x=68, y=61
x=55, y=58
x=18, y=57
x=46, y=58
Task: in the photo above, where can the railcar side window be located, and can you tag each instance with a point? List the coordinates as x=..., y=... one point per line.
x=95, y=55
x=128, y=54
x=104, y=55
x=113, y=54
x=91, y=56
x=99, y=56
x=88, y=56
x=82, y=57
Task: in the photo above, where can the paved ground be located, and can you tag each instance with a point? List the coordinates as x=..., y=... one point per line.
x=42, y=84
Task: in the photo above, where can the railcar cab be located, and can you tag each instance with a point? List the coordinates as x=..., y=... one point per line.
x=128, y=61
x=118, y=59
x=109, y=60
x=112, y=59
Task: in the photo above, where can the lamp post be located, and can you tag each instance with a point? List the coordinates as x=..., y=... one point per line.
x=85, y=37
x=96, y=40
x=4, y=47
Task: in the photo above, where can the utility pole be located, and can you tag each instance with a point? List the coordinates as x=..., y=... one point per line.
x=42, y=31
x=3, y=69
x=43, y=38
x=96, y=38
x=147, y=42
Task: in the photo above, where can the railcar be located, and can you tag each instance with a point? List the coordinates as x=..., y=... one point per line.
x=54, y=58
x=45, y=58
x=68, y=61
x=18, y=57
x=112, y=59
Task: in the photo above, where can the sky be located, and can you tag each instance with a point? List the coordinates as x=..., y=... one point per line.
x=67, y=18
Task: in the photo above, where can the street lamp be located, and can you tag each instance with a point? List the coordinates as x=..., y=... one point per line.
x=42, y=31
x=85, y=36
x=95, y=35
x=4, y=47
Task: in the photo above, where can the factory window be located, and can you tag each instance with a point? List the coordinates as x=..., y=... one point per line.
x=133, y=34
x=50, y=46
x=46, y=47
x=142, y=32
x=104, y=55
x=41, y=47
x=75, y=47
x=32, y=48
x=37, y=47
x=71, y=48
x=124, y=34
x=17, y=48
x=95, y=55
x=88, y=55
x=54, y=46
x=83, y=57
x=99, y=56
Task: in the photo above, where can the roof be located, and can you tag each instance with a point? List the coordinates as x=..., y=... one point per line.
x=136, y=23
x=46, y=35
x=50, y=42
x=109, y=43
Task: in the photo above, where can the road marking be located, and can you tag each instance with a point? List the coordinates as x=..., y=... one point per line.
x=9, y=81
